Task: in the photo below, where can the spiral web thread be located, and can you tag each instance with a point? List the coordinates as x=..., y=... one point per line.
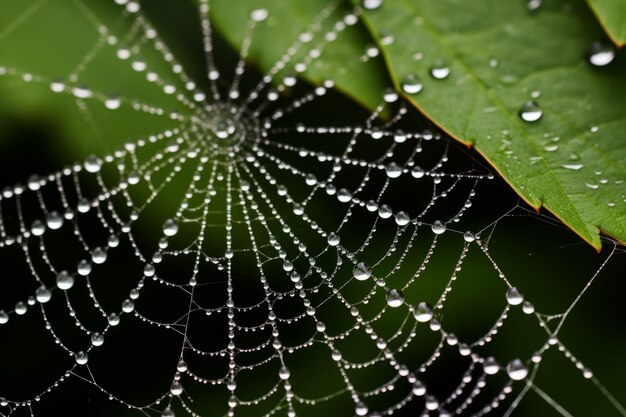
x=270, y=208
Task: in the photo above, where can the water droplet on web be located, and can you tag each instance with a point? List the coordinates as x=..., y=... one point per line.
x=82, y=358
x=402, y=218
x=4, y=317
x=82, y=92
x=469, y=237
x=516, y=370
x=530, y=112
x=99, y=255
x=93, y=164
x=97, y=339
x=395, y=298
x=514, y=297
x=431, y=402
x=333, y=239
x=113, y=102
x=65, y=281
x=600, y=55
x=393, y=170
x=361, y=271
x=84, y=268
x=361, y=409
x=423, y=312
x=417, y=172
x=412, y=84
x=371, y=4
x=439, y=71
x=390, y=96
x=284, y=373
x=170, y=227
x=176, y=388
x=344, y=195
x=54, y=220
x=43, y=295
x=385, y=211
x=57, y=86
x=551, y=148
x=168, y=412
x=438, y=227
x=419, y=388
x=491, y=366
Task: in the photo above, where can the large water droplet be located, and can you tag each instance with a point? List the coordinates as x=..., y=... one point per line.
x=423, y=312
x=43, y=295
x=439, y=71
x=516, y=370
x=395, y=298
x=259, y=15
x=438, y=227
x=530, y=112
x=402, y=218
x=4, y=317
x=412, y=84
x=333, y=239
x=65, y=281
x=573, y=167
x=514, y=297
x=361, y=409
x=54, y=220
x=176, y=388
x=168, y=412
x=491, y=366
x=170, y=227
x=600, y=55
x=284, y=373
x=97, y=339
x=113, y=102
x=93, y=164
x=361, y=271
x=82, y=358
x=393, y=170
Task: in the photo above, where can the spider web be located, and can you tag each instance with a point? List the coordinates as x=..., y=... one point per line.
x=262, y=254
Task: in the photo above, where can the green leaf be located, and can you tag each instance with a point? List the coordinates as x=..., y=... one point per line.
x=612, y=16
x=339, y=60
x=501, y=55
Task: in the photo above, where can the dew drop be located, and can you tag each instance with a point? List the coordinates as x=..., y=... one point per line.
x=438, y=227
x=491, y=366
x=65, y=281
x=84, y=268
x=99, y=255
x=43, y=295
x=97, y=339
x=393, y=170
x=54, y=220
x=423, y=312
x=600, y=55
x=361, y=271
x=333, y=239
x=573, y=167
x=412, y=84
x=361, y=409
x=469, y=237
x=82, y=358
x=419, y=388
x=113, y=102
x=176, y=388
x=530, y=112
x=514, y=297
x=395, y=298
x=170, y=227
x=385, y=211
x=439, y=71
x=417, y=172
x=168, y=412
x=371, y=4
x=516, y=370
x=284, y=373
x=4, y=317
x=57, y=86
x=93, y=164
x=402, y=218
x=259, y=15
x=344, y=195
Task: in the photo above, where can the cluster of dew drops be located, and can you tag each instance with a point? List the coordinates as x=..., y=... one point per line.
x=598, y=54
